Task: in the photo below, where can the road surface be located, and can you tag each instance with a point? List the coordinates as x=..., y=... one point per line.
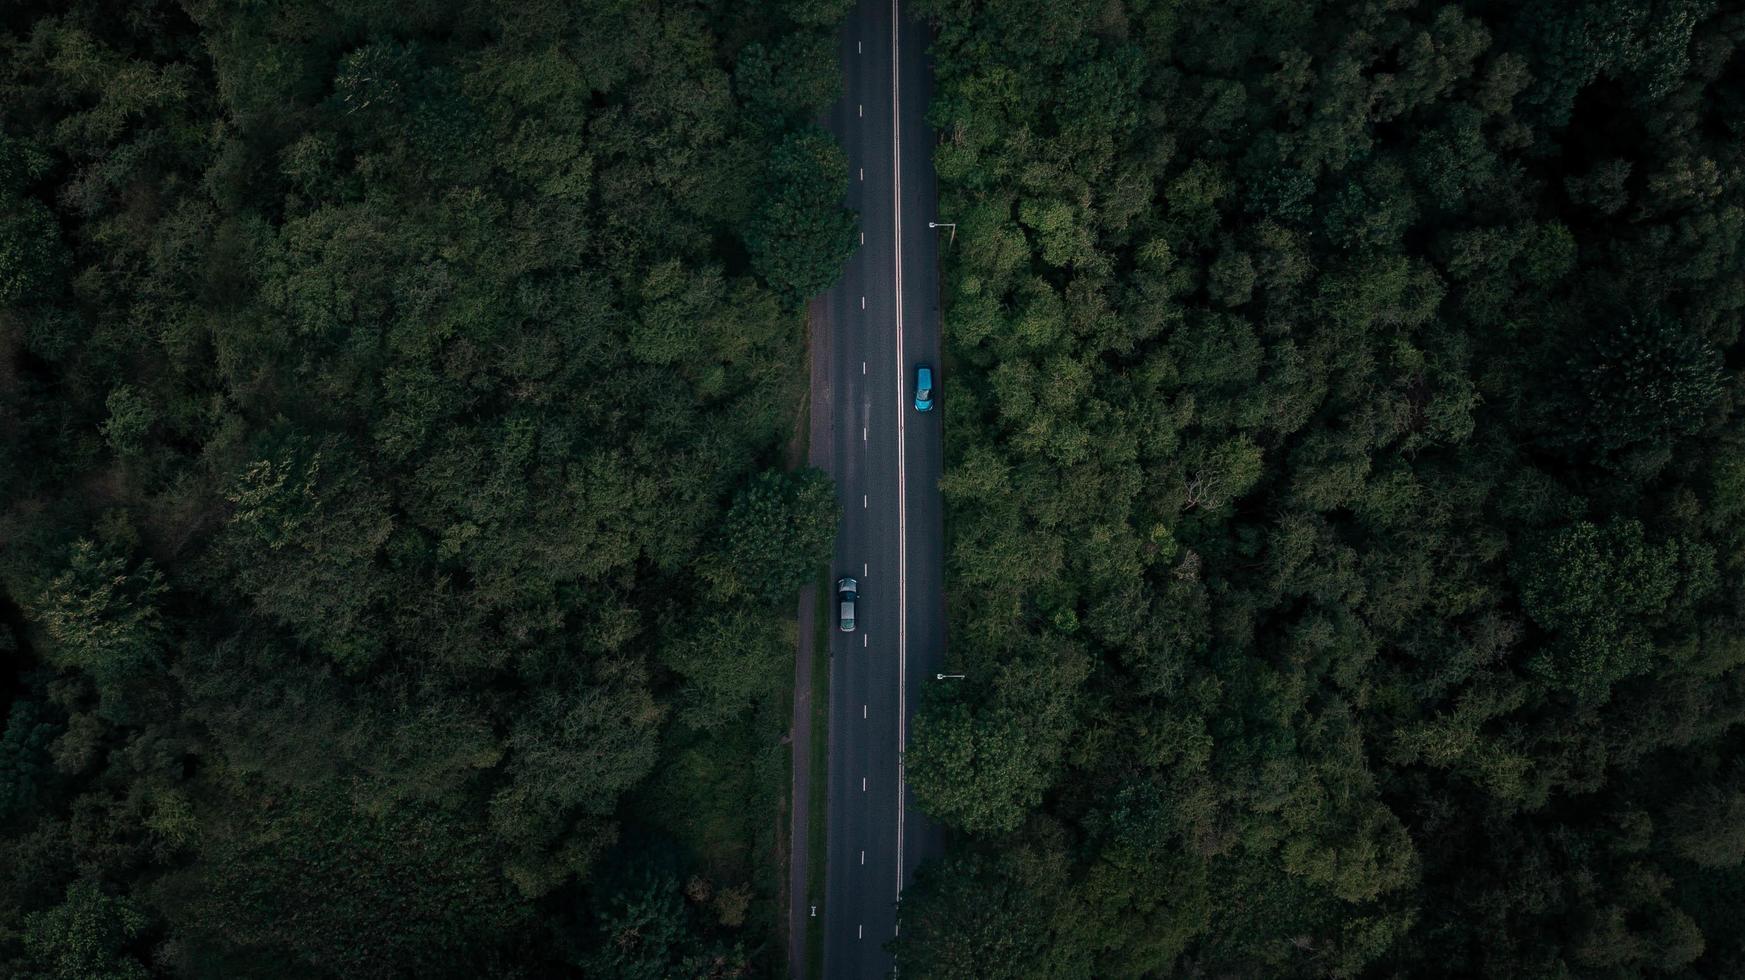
x=869, y=332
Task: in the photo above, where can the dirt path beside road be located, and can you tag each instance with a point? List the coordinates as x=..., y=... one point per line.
x=819, y=443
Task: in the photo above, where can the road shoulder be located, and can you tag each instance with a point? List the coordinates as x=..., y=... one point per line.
x=809, y=763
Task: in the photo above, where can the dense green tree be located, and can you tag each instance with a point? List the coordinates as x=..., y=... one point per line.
x=578, y=747
x=1343, y=482
x=1643, y=380
x=1707, y=826
x=730, y=660
x=130, y=420
x=791, y=84
x=86, y=937
x=102, y=618
x=983, y=766
x=777, y=534
x=25, y=766
x=31, y=254
x=376, y=388
x=304, y=529
x=1598, y=589
x=310, y=878
x=801, y=235
x=1350, y=384
x=643, y=931
x=975, y=917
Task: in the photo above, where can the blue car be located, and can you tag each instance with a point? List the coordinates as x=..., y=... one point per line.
x=923, y=388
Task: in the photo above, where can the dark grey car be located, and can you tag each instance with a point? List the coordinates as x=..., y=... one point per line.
x=847, y=590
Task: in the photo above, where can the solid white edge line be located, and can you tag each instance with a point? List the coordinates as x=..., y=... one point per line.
x=902, y=477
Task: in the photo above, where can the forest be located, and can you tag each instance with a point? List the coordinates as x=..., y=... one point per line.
x=398, y=541
x=399, y=531
x=1345, y=491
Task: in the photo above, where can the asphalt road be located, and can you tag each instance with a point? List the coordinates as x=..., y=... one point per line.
x=869, y=333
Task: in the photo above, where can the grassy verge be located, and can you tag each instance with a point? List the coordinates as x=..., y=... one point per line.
x=815, y=829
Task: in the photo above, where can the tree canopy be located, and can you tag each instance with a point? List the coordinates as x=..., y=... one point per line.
x=1342, y=491
x=395, y=528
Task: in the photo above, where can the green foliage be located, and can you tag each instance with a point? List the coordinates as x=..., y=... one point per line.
x=130, y=420
x=1597, y=589
x=396, y=373
x=791, y=84
x=777, y=534
x=974, y=769
x=1707, y=826
x=982, y=767
x=572, y=753
x=1396, y=587
x=31, y=253
x=1343, y=483
x=1646, y=380
x=24, y=757
x=320, y=884
x=822, y=13
x=643, y=930
x=801, y=235
x=102, y=618
x=85, y=937
x=305, y=529
x=729, y=660
x=975, y=917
